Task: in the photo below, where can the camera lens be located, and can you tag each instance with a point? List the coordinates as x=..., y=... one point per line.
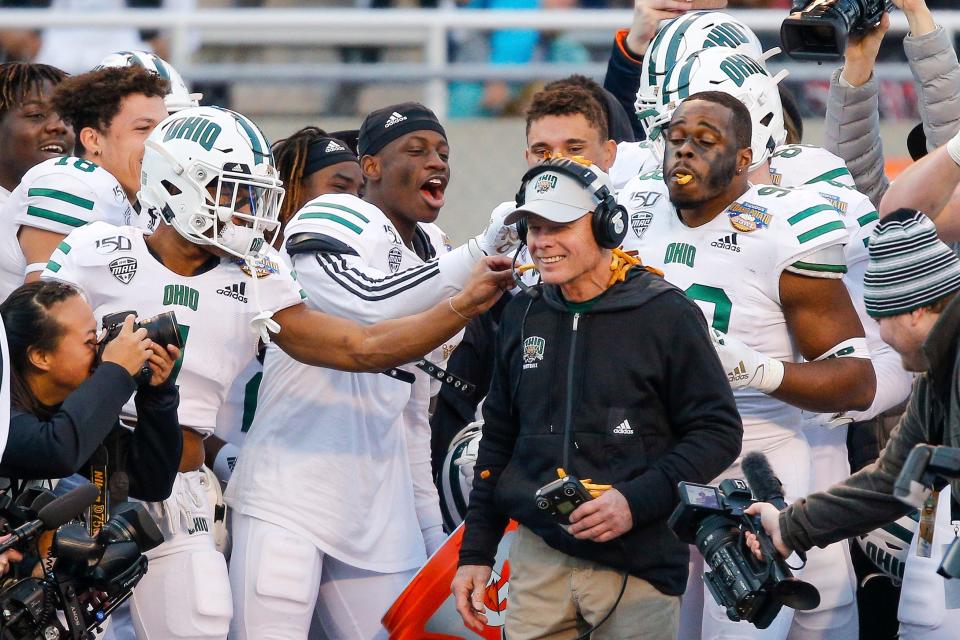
x=162, y=329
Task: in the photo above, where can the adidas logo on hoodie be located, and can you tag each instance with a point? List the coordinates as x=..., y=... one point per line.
x=623, y=429
x=333, y=146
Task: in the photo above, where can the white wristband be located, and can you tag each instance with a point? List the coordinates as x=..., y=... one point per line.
x=34, y=267
x=953, y=148
x=771, y=376
x=225, y=461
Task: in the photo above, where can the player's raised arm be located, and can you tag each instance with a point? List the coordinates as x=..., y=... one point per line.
x=319, y=339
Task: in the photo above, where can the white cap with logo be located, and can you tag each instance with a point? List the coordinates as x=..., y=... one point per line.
x=558, y=196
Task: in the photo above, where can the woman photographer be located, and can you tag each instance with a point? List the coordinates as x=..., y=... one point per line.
x=65, y=405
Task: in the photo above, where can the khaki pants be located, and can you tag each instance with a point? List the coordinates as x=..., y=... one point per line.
x=554, y=596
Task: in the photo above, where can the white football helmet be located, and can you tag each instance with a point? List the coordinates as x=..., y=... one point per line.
x=456, y=474
x=209, y=173
x=888, y=547
x=179, y=97
x=677, y=40
x=737, y=74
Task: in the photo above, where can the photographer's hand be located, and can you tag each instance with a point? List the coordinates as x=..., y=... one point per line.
x=860, y=56
x=468, y=587
x=602, y=519
x=161, y=362
x=130, y=349
x=770, y=520
x=8, y=557
x=918, y=15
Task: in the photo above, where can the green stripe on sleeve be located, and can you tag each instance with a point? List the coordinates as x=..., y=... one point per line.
x=806, y=213
x=53, y=266
x=63, y=196
x=829, y=175
x=56, y=217
x=867, y=218
x=816, y=232
x=830, y=268
x=333, y=218
x=64, y=248
x=340, y=207
x=303, y=294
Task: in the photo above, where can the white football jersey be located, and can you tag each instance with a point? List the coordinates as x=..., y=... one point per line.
x=116, y=272
x=817, y=170
x=793, y=165
x=346, y=434
x=59, y=195
x=633, y=158
x=731, y=267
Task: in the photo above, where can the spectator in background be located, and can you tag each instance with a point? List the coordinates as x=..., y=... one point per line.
x=513, y=46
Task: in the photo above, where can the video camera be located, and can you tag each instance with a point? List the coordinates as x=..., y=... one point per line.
x=713, y=519
x=821, y=29
x=926, y=468
x=86, y=578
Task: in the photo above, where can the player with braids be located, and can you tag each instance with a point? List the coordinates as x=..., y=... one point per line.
x=30, y=131
x=311, y=163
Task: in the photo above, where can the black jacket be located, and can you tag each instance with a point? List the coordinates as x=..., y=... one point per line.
x=59, y=445
x=623, y=79
x=651, y=407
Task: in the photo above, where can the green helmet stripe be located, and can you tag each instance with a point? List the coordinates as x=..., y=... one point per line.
x=162, y=70
x=259, y=144
x=658, y=40
x=675, y=43
x=684, y=82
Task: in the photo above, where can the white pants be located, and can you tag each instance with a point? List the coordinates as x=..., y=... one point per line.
x=279, y=579
x=186, y=592
x=830, y=569
x=929, y=604
x=790, y=460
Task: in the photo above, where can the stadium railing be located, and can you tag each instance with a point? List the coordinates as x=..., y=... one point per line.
x=429, y=30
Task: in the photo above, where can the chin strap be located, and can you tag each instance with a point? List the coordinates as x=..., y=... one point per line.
x=262, y=323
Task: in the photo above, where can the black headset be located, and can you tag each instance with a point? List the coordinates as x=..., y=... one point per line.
x=609, y=220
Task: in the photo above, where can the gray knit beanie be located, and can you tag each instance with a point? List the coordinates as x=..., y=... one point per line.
x=909, y=266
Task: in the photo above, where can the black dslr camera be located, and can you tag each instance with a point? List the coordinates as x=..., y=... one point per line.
x=925, y=469
x=161, y=328
x=754, y=590
x=820, y=31
x=89, y=578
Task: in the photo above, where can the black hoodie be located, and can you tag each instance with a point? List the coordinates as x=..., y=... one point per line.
x=651, y=407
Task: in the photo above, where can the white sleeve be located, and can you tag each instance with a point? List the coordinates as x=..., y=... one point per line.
x=426, y=500
x=70, y=261
x=344, y=285
x=893, y=382
x=58, y=203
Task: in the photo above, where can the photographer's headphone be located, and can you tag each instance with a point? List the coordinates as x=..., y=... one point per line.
x=609, y=220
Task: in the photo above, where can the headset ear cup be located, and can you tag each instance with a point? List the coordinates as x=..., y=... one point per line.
x=609, y=223
x=522, y=230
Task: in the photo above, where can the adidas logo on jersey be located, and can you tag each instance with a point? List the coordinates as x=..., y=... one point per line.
x=623, y=429
x=236, y=291
x=333, y=146
x=394, y=119
x=739, y=373
x=728, y=242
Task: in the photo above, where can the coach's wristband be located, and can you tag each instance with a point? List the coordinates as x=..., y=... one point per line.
x=225, y=461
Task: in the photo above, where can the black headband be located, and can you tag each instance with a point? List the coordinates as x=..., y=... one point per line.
x=324, y=152
x=383, y=126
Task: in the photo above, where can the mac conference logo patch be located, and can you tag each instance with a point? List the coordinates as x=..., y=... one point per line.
x=123, y=269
